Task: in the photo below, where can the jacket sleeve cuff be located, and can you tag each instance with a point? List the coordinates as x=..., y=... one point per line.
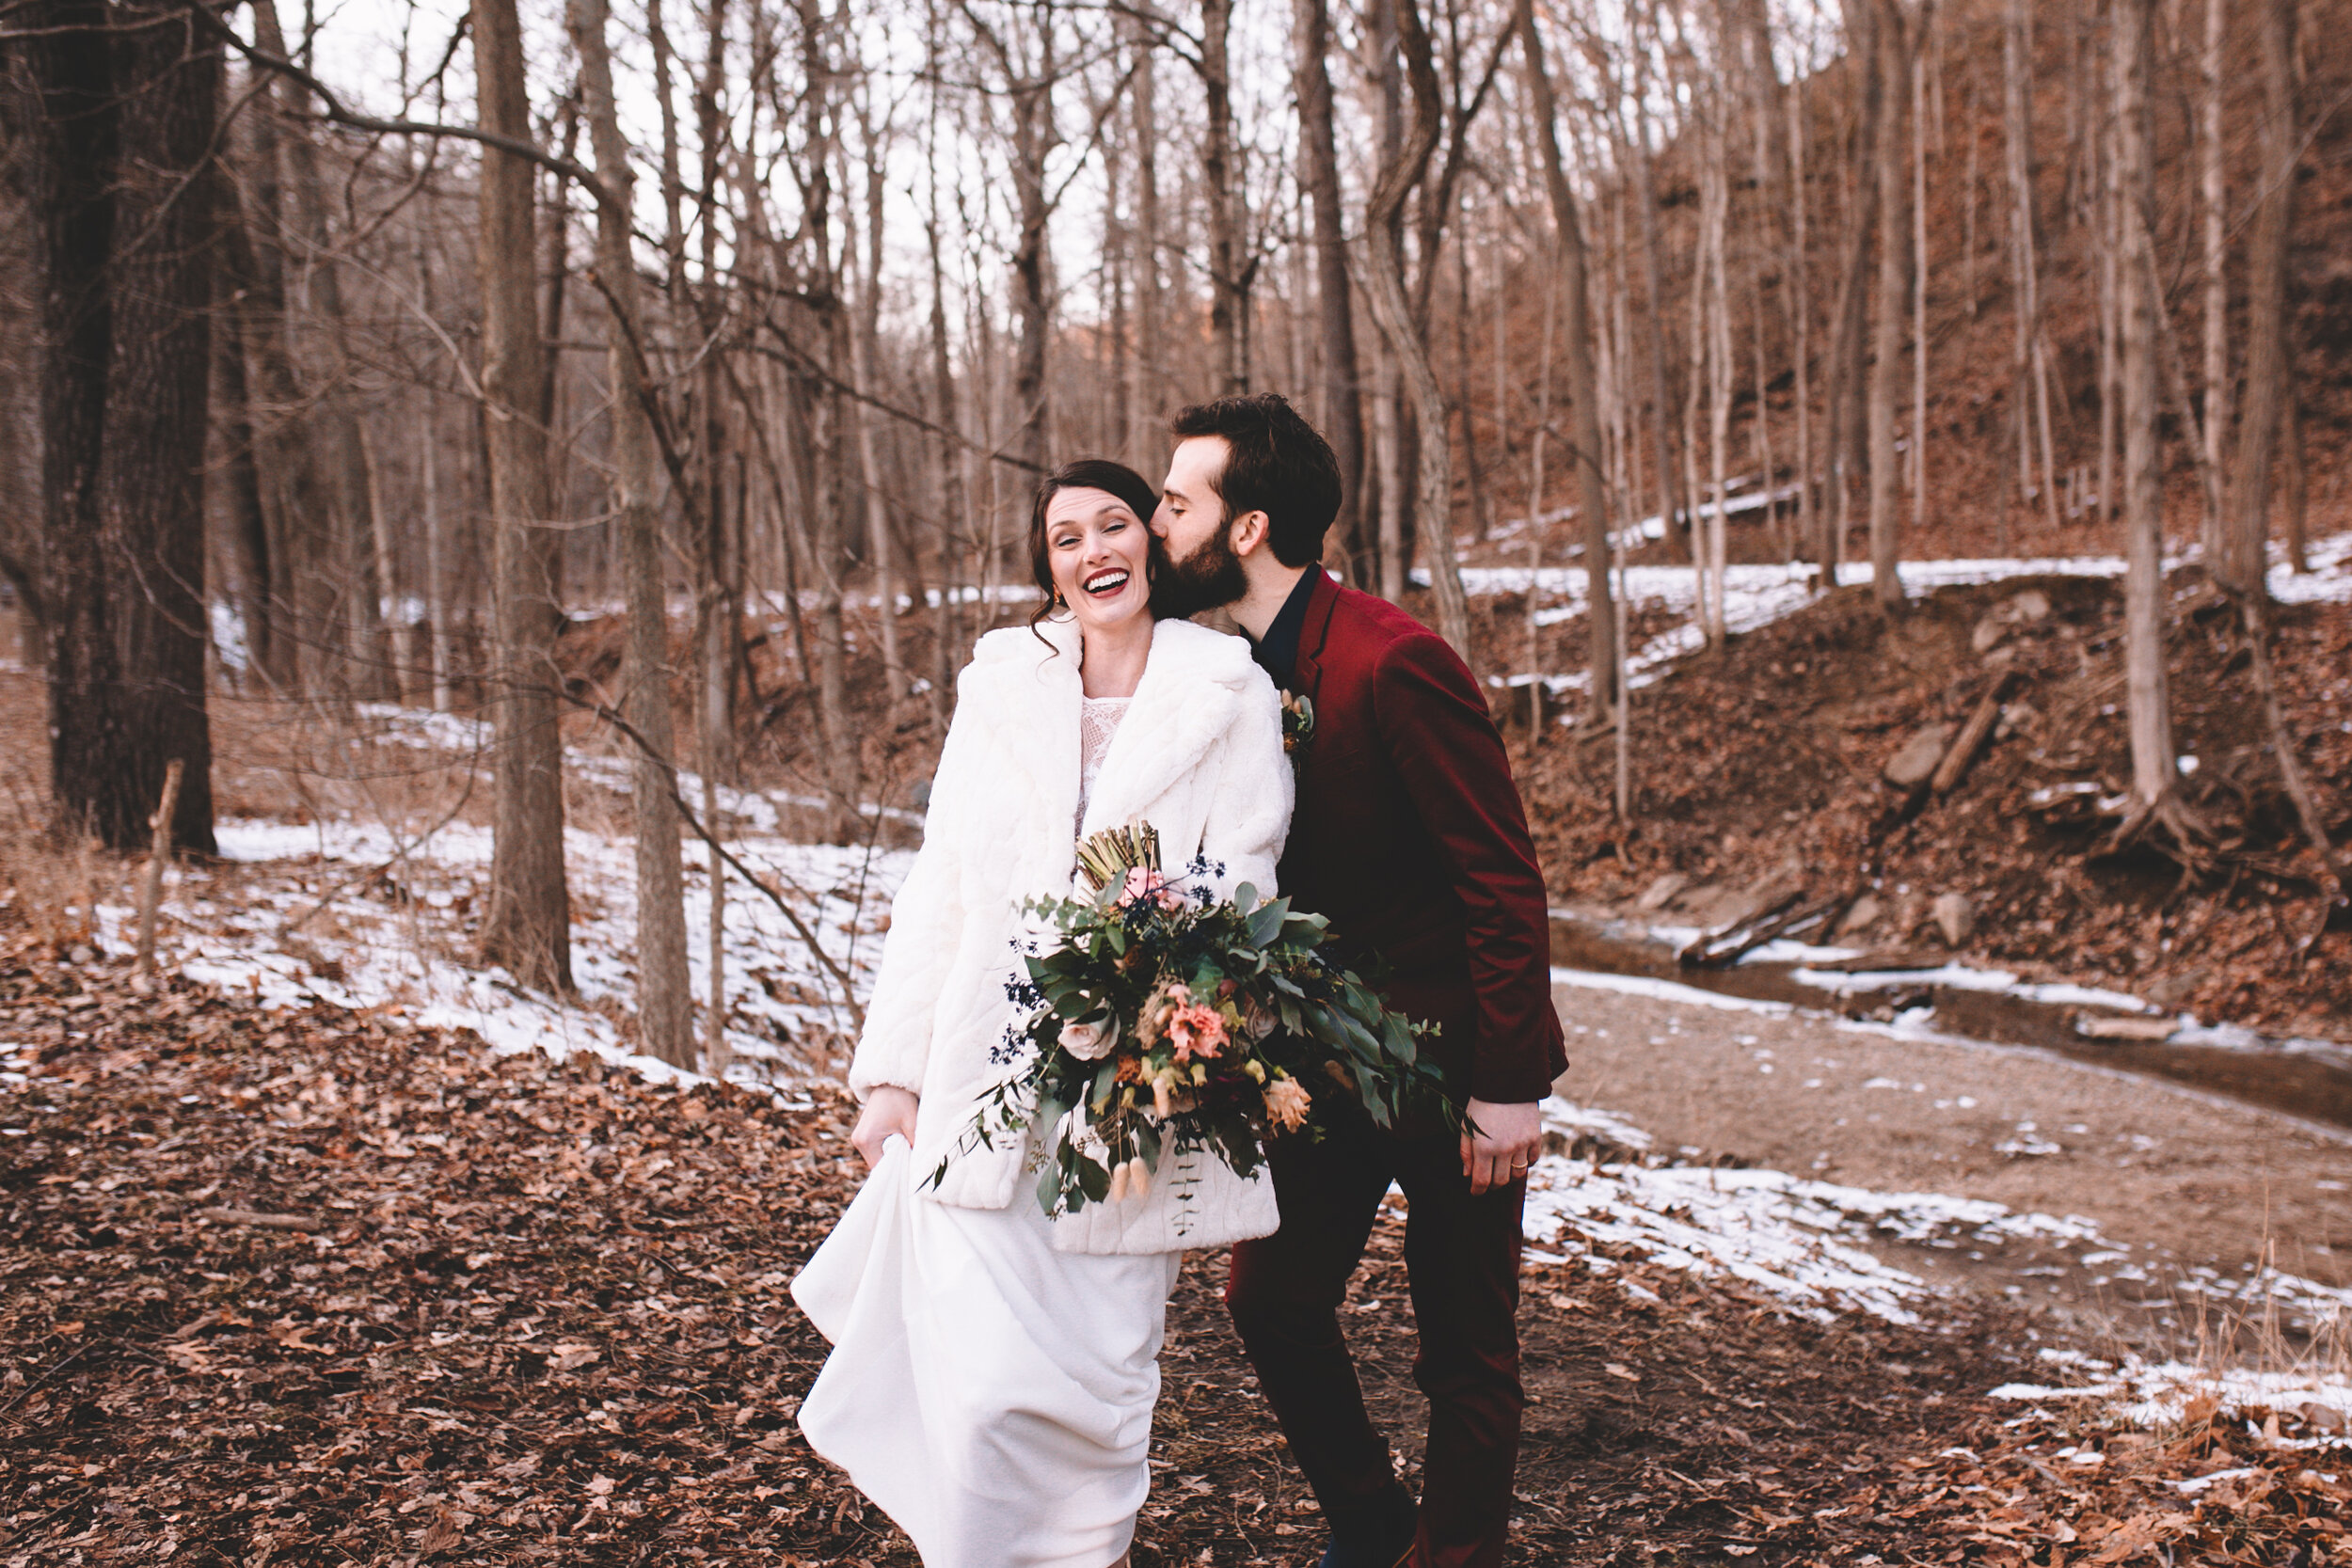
x=866, y=1077
x=1511, y=1083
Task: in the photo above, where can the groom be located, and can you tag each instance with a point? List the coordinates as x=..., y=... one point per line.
x=1409, y=837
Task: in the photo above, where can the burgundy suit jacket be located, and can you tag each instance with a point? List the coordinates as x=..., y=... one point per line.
x=1410, y=838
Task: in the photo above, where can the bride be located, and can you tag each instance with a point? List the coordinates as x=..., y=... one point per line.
x=993, y=1371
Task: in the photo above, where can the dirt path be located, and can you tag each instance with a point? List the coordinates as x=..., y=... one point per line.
x=2184, y=1180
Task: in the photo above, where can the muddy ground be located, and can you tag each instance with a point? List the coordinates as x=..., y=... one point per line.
x=2184, y=1179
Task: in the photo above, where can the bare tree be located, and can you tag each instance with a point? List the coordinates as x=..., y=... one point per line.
x=2270, y=355
x=1230, y=268
x=2212, y=194
x=528, y=927
x=1343, y=421
x=665, y=1008
x=1895, y=31
x=1384, y=287
x=1583, y=384
x=2030, y=364
x=123, y=118
x=2155, y=768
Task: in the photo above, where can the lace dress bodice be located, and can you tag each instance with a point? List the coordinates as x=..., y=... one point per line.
x=1098, y=721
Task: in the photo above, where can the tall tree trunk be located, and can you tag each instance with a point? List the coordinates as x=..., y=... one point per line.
x=1888, y=306
x=336, y=430
x=1673, y=504
x=1228, y=266
x=1848, y=369
x=1034, y=140
x=720, y=621
x=1334, y=308
x=1918, y=466
x=2213, y=192
x=2029, y=362
x=2270, y=355
x=1809, y=500
x=1147, y=367
x=1710, y=292
x=817, y=411
x=1384, y=287
x=954, y=510
x=2154, y=768
x=1482, y=503
x=528, y=927
x=124, y=105
x=868, y=343
x=243, y=494
x=2107, y=248
x=310, y=644
x=1387, y=485
x=665, y=1004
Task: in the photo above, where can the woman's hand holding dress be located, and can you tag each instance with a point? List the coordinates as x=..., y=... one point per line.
x=888, y=1109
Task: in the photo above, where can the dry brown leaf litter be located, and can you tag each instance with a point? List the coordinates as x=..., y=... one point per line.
x=322, y=1288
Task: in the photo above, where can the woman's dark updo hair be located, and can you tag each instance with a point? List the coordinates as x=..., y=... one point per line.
x=1087, y=473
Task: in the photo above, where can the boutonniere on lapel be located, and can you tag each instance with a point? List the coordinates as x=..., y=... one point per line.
x=1299, y=724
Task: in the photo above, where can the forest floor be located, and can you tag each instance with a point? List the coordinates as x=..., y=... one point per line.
x=316, y=1285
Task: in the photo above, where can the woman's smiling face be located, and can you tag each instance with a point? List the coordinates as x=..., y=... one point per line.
x=1101, y=555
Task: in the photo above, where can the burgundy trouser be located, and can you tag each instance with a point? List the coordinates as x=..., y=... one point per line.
x=1462, y=1259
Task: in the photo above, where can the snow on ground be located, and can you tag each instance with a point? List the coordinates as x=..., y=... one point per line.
x=1809, y=1244
x=465, y=736
x=355, y=915
x=1802, y=1241
x=1754, y=596
x=2138, y=1393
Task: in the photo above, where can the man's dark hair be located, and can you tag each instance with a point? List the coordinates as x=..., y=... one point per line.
x=1276, y=463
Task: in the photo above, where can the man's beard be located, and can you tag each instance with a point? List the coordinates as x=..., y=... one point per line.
x=1208, y=579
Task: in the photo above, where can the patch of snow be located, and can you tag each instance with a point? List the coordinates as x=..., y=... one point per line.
x=351, y=914
x=1666, y=990
x=1802, y=1240
x=1574, y=1121
x=1757, y=595
x=2138, y=1393
x=1960, y=976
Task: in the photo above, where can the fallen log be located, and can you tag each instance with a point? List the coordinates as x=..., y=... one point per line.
x=1972, y=738
x=1724, y=945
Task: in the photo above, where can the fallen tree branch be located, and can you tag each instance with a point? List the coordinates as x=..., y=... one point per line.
x=1973, y=738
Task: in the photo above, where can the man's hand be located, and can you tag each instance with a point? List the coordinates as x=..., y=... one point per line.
x=1506, y=1142
x=888, y=1111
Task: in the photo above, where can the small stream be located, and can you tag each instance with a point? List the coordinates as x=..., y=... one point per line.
x=2303, y=1078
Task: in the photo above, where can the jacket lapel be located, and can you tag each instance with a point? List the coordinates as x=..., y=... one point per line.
x=1313, y=633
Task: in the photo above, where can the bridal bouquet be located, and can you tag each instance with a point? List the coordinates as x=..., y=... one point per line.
x=1164, y=1021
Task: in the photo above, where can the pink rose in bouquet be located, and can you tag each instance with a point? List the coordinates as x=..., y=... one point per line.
x=1144, y=885
x=1198, y=1032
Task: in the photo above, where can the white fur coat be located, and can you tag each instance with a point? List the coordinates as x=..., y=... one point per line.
x=1198, y=756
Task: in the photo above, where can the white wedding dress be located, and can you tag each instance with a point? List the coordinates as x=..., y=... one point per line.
x=991, y=1394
